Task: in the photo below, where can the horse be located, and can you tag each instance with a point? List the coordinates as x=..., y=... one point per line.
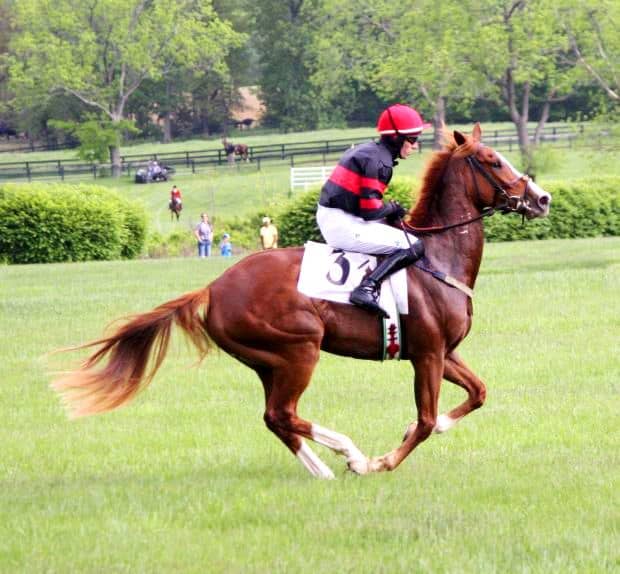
x=232, y=150
x=254, y=312
x=175, y=208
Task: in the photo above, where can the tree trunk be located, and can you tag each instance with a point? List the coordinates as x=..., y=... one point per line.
x=519, y=118
x=167, y=128
x=439, y=121
x=115, y=160
x=167, y=123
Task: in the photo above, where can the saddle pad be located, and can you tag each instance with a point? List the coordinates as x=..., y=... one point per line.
x=331, y=274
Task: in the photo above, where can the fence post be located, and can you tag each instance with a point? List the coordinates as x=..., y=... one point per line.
x=187, y=159
x=292, y=160
x=28, y=171
x=61, y=171
x=282, y=156
x=94, y=171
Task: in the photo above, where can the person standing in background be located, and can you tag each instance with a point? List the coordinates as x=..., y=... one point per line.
x=268, y=234
x=226, y=246
x=204, y=235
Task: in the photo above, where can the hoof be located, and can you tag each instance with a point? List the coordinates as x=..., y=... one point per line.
x=380, y=464
x=358, y=466
x=443, y=424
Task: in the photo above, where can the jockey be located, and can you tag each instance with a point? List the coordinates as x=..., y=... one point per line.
x=175, y=196
x=352, y=214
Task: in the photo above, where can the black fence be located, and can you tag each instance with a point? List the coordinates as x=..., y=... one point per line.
x=291, y=153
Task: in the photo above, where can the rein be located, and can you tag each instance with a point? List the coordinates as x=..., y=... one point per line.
x=486, y=212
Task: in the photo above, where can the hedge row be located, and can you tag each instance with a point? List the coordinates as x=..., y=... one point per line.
x=579, y=208
x=42, y=223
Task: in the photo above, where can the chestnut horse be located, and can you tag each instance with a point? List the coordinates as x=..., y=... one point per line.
x=175, y=208
x=254, y=312
x=231, y=150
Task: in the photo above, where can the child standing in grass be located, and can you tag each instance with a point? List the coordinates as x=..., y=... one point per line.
x=226, y=246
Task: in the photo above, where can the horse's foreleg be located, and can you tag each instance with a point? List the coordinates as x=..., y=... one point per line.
x=428, y=374
x=457, y=372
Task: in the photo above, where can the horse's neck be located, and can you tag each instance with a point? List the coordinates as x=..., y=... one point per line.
x=457, y=251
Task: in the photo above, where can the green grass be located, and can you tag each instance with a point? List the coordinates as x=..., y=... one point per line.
x=188, y=479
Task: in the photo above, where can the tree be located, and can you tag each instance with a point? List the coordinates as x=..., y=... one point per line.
x=527, y=44
x=592, y=31
x=283, y=39
x=101, y=51
x=418, y=55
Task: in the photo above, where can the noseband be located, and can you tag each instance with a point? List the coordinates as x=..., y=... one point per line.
x=508, y=203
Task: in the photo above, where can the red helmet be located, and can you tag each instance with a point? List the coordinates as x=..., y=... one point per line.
x=400, y=119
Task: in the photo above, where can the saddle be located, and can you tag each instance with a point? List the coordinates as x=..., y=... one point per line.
x=331, y=274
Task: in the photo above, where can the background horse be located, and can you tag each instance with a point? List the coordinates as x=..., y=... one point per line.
x=254, y=312
x=175, y=208
x=233, y=150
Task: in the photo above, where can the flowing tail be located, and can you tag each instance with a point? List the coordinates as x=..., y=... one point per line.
x=89, y=390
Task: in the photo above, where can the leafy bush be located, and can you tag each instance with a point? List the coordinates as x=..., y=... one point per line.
x=48, y=223
x=580, y=208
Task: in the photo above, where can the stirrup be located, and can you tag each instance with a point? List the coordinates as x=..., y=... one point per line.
x=365, y=296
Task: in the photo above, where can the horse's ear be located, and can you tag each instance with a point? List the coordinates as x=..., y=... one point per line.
x=476, y=133
x=459, y=138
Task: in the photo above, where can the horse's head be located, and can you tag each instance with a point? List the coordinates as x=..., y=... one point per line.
x=495, y=182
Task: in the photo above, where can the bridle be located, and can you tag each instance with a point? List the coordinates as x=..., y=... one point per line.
x=507, y=204
x=511, y=203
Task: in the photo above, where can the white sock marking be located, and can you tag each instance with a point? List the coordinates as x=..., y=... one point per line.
x=313, y=463
x=341, y=444
x=444, y=423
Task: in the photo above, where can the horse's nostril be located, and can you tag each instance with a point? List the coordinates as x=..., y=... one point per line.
x=544, y=200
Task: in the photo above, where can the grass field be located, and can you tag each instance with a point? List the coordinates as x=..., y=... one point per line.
x=188, y=479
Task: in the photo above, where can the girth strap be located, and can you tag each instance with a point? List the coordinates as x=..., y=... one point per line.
x=425, y=265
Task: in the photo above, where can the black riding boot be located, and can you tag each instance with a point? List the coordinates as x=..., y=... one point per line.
x=366, y=294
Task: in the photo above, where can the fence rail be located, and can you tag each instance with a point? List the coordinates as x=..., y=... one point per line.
x=292, y=153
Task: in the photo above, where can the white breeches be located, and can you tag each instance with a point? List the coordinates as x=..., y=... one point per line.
x=347, y=231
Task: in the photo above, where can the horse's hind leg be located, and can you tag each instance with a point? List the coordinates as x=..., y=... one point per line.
x=283, y=388
x=457, y=372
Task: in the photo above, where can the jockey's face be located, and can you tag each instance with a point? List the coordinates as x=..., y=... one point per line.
x=408, y=146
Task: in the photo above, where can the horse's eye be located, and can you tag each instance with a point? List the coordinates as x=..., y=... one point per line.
x=496, y=164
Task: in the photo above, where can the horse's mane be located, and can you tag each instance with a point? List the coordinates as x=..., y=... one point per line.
x=434, y=173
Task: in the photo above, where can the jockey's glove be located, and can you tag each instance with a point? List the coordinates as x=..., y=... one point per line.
x=396, y=213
